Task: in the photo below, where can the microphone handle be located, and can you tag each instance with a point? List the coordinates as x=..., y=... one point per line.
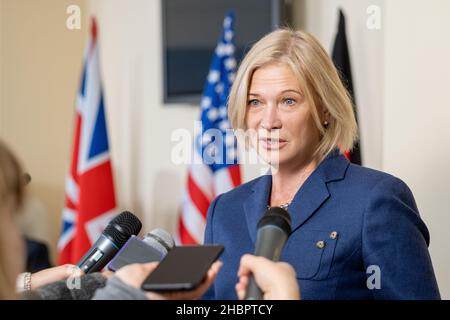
x=253, y=291
x=98, y=255
x=269, y=243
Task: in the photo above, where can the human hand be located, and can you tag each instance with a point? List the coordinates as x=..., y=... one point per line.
x=46, y=276
x=193, y=294
x=277, y=280
x=135, y=274
x=107, y=273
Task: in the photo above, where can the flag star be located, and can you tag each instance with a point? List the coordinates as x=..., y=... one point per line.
x=213, y=76
x=230, y=63
x=223, y=49
x=224, y=125
x=229, y=49
x=205, y=103
x=213, y=114
x=231, y=77
x=220, y=49
x=223, y=112
x=229, y=35
x=227, y=22
x=219, y=88
x=206, y=138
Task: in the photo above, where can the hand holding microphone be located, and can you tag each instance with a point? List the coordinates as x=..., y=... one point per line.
x=153, y=247
x=134, y=274
x=46, y=276
x=277, y=280
x=127, y=254
x=273, y=231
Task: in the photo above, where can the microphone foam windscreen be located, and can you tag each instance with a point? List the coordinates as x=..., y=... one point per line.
x=160, y=239
x=122, y=227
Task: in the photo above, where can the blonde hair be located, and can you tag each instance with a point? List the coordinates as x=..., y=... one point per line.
x=318, y=78
x=11, y=198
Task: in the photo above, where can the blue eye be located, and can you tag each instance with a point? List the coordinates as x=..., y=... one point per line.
x=254, y=103
x=289, y=101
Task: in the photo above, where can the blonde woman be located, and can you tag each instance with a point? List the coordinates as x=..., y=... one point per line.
x=356, y=232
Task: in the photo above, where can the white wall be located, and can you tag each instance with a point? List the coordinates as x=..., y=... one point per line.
x=417, y=112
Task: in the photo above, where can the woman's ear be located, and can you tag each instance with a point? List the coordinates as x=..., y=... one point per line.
x=325, y=118
x=325, y=114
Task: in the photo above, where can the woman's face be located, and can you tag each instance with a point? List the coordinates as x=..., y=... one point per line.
x=277, y=110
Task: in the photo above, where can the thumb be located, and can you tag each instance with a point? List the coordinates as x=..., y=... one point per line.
x=150, y=266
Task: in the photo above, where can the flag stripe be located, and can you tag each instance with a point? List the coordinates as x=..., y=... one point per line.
x=222, y=182
x=90, y=199
x=72, y=191
x=206, y=179
x=193, y=220
x=202, y=174
x=199, y=200
x=184, y=234
x=235, y=174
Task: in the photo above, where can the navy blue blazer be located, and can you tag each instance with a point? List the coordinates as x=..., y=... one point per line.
x=375, y=245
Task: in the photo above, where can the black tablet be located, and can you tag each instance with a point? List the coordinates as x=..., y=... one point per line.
x=183, y=268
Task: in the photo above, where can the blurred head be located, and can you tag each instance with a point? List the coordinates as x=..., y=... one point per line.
x=11, y=243
x=288, y=90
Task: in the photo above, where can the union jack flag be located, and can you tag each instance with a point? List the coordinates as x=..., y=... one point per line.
x=215, y=169
x=90, y=201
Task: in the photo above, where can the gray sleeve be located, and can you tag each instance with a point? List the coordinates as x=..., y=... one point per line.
x=115, y=289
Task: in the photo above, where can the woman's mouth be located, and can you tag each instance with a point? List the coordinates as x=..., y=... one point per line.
x=272, y=144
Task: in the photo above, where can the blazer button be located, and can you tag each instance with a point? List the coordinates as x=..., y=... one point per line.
x=320, y=244
x=333, y=235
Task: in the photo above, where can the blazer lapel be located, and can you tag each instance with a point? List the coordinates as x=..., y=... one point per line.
x=256, y=204
x=308, y=198
x=314, y=191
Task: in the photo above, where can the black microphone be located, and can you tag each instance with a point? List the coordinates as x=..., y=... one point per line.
x=274, y=229
x=116, y=233
x=61, y=290
x=153, y=247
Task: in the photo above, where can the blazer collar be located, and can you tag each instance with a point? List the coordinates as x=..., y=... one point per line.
x=312, y=194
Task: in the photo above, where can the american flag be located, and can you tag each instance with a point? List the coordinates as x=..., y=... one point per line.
x=215, y=169
x=90, y=201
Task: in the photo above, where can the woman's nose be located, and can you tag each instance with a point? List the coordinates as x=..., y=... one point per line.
x=270, y=120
